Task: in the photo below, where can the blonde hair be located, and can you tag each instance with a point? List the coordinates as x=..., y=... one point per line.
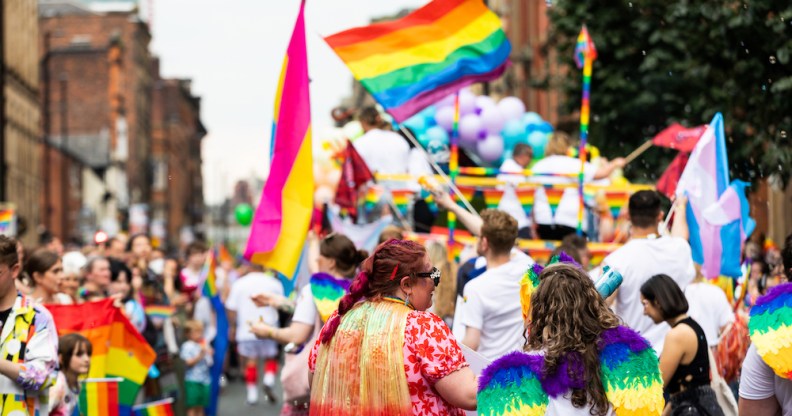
x=558, y=145
x=445, y=293
x=193, y=325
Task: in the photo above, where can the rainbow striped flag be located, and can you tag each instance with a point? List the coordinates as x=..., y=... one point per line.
x=526, y=198
x=554, y=196
x=616, y=201
x=402, y=198
x=220, y=346
x=284, y=213
x=492, y=197
x=373, y=197
x=159, y=311
x=118, y=348
x=159, y=408
x=224, y=254
x=467, y=192
x=99, y=397
x=409, y=63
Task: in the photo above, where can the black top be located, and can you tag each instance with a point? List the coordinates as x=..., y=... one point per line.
x=697, y=373
x=4, y=317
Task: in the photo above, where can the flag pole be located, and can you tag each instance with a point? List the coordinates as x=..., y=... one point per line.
x=587, y=52
x=453, y=170
x=637, y=152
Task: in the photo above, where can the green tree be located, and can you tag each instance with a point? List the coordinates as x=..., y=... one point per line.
x=665, y=61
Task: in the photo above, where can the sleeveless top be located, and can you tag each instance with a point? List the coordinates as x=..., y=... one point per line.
x=697, y=373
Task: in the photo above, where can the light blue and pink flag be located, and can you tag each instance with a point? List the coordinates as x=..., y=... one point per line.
x=718, y=211
x=283, y=215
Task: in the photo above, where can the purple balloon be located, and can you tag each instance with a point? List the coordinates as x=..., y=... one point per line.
x=492, y=120
x=445, y=117
x=491, y=148
x=483, y=102
x=512, y=108
x=469, y=129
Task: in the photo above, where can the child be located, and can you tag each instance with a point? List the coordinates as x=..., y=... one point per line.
x=198, y=358
x=74, y=355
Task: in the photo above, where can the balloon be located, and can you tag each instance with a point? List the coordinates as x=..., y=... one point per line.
x=538, y=140
x=447, y=101
x=545, y=127
x=437, y=134
x=483, y=102
x=492, y=120
x=491, y=148
x=531, y=118
x=445, y=117
x=244, y=214
x=513, y=133
x=416, y=123
x=469, y=129
x=467, y=103
x=439, y=151
x=512, y=108
x=423, y=139
x=428, y=114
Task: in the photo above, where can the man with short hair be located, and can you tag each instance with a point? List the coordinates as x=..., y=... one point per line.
x=97, y=278
x=27, y=354
x=647, y=254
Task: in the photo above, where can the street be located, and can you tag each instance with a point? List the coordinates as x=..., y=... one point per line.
x=232, y=402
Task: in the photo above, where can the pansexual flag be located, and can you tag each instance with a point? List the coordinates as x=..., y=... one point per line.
x=118, y=348
x=284, y=213
x=159, y=408
x=99, y=397
x=409, y=63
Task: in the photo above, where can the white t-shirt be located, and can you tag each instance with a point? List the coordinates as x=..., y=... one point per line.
x=567, y=211
x=509, y=202
x=491, y=304
x=708, y=305
x=239, y=301
x=758, y=381
x=305, y=309
x=383, y=151
x=637, y=261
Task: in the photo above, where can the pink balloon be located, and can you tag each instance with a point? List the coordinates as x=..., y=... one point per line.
x=491, y=148
x=492, y=120
x=445, y=117
x=469, y=129
x=512, y=108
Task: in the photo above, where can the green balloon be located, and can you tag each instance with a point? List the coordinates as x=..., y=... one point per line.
x=243, y=214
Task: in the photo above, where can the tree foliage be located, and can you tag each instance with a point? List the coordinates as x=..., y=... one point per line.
x=682, y=61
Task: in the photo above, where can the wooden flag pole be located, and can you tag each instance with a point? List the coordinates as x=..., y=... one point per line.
x=637, y=152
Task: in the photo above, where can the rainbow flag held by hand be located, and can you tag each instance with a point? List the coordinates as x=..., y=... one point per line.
x=221, y=323
x=409, y=63
x=284, y=212
x=159, y=311
x=99, y=397
x=159, y=408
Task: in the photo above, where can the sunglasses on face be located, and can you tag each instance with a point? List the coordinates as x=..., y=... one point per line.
x=434, y=275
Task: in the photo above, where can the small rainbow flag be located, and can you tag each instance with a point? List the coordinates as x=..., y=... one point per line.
x=467, y=192
x=554, y=196
x=327, y=292
x=492, y=197
x=373, y=197
x=409, y=63
x=159, y=311
x=616, y=201
x=402, y=198
x=224, y=255
x=221, y=322
x=99, y=397
x=526, y=198
x=159, y=408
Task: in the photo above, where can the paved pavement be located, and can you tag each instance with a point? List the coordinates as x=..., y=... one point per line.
x=232, y=402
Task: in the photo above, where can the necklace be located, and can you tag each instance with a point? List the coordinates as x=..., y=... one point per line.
x=398, y=300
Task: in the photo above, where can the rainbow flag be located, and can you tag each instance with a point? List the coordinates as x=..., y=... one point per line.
x=99, y=397
x=526, y=198
x=118, y=348
x=209, y=290
x=402, y=198
x=224, y=255
x=409, y=63
x=492, y=197
x=284, y=213
x=616, y=201
x=159, y=311
x=554, y=196
x=159, y=408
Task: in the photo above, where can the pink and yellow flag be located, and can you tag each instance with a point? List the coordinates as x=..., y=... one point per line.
x=284, y=213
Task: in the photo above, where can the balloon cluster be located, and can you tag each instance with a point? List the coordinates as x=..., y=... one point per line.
x=487, y=128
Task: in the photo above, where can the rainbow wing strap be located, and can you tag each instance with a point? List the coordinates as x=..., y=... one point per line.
x=770, y=329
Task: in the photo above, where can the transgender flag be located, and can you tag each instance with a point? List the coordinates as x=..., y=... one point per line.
x=717, y=211
x=282, y=217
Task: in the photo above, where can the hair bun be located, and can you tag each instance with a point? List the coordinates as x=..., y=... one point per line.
x=360, y=256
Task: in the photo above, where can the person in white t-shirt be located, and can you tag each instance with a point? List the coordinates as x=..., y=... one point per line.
x=242, y=311
x=709, y=307
x=512, y=173
x=555, y=226
x=383, y=151
x=646, y=255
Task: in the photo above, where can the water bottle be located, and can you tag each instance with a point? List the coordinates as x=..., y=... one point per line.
x=608, y=282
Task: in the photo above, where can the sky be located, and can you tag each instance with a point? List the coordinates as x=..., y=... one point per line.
x=233, y=51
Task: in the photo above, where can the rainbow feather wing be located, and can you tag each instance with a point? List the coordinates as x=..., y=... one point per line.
x=327, y=292
x=528, y=284
x=630, y=373
x=510, y=386
x=770, y=329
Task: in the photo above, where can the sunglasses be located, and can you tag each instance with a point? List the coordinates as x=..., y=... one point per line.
x=434, y=275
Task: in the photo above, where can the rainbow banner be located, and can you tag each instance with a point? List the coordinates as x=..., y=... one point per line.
x=373, y=197
x=284, y=213
x=159, y=408
x=99, y=397
x=554, y=196
x=8, y=220
x=585, y=54
x=159, y=311
x=118, y=348
x=401, y=199
x=526, y=198
x=467, y=192
x=492, y=197
x=616, y=201
x=220, y=346
x=412, y=62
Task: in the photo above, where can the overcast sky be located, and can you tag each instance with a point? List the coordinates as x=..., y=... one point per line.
x=233, y=51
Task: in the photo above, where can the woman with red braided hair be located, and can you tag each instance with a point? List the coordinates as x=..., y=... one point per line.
x=382, y=353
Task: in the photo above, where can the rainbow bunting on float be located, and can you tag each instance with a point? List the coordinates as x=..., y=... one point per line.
x=492, y=197
x=770, y=328
x=616, y=200
x=373, y=197
x=99, y=397
x=526, y=198
x=467, y=192
x=118, y=348
x=159, y=408
x=284, y=212
x=327, y=292
x=554, y=196
x=409, y=63
x=401, y=199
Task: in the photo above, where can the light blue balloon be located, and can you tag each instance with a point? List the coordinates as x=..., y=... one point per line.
x=428, y=114
x=530, y=118
x=545, y=127
x=538, y=140
x=512, y=133
x=437, y=133
x=423, y=139
x=416, y=123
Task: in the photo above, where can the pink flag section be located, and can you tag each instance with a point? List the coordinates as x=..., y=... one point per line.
x=282, y=217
